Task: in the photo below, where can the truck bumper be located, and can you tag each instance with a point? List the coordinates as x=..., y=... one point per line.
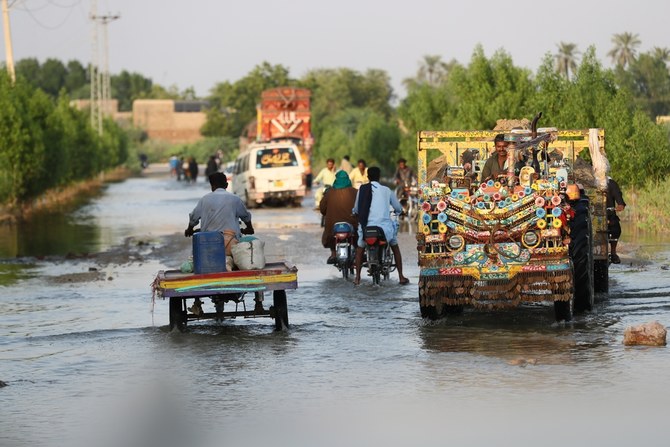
x=461, y=286
x=279, y=196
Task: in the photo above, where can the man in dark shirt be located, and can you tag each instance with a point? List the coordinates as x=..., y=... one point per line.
x=615, y=203
x=496, y=164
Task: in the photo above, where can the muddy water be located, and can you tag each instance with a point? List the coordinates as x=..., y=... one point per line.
x=87, y=362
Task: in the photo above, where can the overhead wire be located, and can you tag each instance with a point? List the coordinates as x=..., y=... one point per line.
x=41, y=24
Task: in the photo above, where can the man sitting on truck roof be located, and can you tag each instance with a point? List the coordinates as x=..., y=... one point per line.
x=496, y=164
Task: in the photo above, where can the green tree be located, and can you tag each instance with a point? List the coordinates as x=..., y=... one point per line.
x=29, y=69
x=625, y=48
x=342, y=100
x=488, y=90
x=52, y=77
x=233, y=105
x=127, y=87
x=566, y=58
x=76, y=80
x=649, y=81
x=377, y=141
x=21, y=145
x=661, y=53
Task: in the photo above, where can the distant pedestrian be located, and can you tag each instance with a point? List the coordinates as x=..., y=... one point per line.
x=182, y=169
x=192, y=169
x=212, y=166
x=174, y=165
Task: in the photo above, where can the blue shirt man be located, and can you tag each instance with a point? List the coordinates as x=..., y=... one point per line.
x=373, y=206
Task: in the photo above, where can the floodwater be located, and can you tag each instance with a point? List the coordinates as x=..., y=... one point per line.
x=88, y=358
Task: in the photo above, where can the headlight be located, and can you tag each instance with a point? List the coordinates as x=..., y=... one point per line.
x=530, y=239
x=456, y=242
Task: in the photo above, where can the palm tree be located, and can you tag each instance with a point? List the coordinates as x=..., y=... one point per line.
x=566, y=59
x=661, y=54
x=625, y=48
x=432, y=70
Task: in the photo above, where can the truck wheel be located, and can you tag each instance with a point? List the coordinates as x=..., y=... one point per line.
x=601, y=276
x=448, y=309
x=280, y=309
x=177, y=314
x=581, y=252
x=563, y=310
x=429, y=312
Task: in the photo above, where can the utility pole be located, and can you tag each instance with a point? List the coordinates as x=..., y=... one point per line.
x=101, y=89
x=8, y=42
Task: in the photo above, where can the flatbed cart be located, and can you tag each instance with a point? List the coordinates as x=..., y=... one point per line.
x=227, y=287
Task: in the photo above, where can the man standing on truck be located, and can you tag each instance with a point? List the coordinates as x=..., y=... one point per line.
x=615, y=203
x=496, y=164
x=221, y=211
x=372, y=207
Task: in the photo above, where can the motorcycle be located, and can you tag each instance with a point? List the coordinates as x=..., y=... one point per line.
x=345, y=247
x=379, y=256
x=408, y=196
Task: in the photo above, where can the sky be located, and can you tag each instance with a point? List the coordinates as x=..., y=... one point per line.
x=199, y=43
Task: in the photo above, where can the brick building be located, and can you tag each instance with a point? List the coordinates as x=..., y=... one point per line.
x=169, y=120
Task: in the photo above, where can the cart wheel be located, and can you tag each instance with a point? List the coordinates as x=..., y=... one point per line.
x=177, y=314
x=280, y=309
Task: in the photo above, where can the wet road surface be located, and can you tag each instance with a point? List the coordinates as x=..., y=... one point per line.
x=87, y=362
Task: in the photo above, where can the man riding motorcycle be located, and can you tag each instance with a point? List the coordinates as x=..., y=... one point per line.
x=336, y=206
x=403, y=177
x=373, y=204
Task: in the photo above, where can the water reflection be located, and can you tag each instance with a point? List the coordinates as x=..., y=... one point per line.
x=133, y=208
x=47, y=235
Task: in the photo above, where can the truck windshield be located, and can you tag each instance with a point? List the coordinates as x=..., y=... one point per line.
x=276, y=157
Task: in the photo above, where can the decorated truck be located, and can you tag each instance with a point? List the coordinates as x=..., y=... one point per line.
x=537, y=234
x=274, y=163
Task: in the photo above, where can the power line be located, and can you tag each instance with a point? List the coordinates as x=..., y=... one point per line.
x=100, y=80
x=43, y=25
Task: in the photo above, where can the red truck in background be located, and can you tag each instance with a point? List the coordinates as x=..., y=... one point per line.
x=275, y=163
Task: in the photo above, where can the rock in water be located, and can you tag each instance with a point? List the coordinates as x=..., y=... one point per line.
x=2, y=384
x=647, y=334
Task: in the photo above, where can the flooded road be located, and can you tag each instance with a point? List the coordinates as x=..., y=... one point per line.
x=87, y=362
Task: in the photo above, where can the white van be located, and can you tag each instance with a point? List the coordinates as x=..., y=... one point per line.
x=270, y=173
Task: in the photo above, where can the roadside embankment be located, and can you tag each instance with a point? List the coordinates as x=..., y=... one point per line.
x=59, y=197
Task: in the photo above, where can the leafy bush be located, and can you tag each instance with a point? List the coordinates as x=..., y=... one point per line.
x=47, y=143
